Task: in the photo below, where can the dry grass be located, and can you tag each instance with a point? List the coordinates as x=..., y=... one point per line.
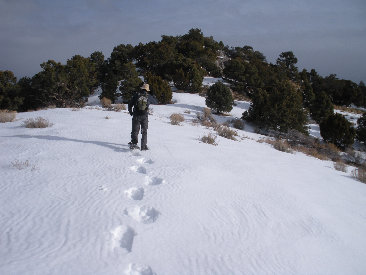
x=226, y=132
x=310, y=152
x=38, y=122
x=340, y=166
x=21, y=165
x=237, y=124
x=349, y=110
x=75, y=109
x=106, y=102
x=119, y=107
x=7, y=116
x=176, y=119
x=206, y=119
x=107, y=117
x=280, y=145
x=187, y=112
x=209, y=139
x=359, y=174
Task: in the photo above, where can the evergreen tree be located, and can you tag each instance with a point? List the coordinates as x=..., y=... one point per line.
x=337, y=130
x=219, y=98
x=279, y=107
x=361, y=128
x=10, y=97
x=286, y=62
x=159, y=88
x=130, y=82
x=321, y=107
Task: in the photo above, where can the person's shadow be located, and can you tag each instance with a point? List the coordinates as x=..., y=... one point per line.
x=114, y=146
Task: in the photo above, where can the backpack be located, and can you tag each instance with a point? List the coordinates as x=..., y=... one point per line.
x=141, y=104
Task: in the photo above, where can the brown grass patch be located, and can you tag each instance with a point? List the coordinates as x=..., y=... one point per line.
x=209, y=139
x=349, y=109
x=7, y=116
x=205, y=118
x=226, y=132
x=176, y=119
x=340, y=166
x=119, y=107
x=38, y=122
x=106, y=102
x=360, y=174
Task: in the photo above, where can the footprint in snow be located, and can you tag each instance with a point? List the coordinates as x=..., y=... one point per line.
x=135, y=269
x=143, y=160
x=138, y=169
x=154, y=181
x=144, y=214
x=122, y=236
x=135, y=193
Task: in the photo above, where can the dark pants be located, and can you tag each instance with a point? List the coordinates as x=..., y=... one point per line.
x=138, y=121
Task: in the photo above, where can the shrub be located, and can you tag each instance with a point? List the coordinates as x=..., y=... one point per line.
x=119, y=107
x=238, y=124
x=340, y=166
x=226, y=132
x=205, y=118
x=337, y=130
x=176, y=119
x=359, y=174
x=321, y=107
x=159, y=88
x=38, y=122
x=219, y=98
x=278, y=144
x=278, y=107
x=361, y=128
x=209, y=139
x=106, y=102
x=7, y=116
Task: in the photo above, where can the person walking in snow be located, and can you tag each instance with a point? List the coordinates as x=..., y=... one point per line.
x=138, y=107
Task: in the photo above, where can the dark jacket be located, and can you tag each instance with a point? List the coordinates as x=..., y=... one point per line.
x=133, y=102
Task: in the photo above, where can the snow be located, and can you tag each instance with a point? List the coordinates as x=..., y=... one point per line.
x=85, y=204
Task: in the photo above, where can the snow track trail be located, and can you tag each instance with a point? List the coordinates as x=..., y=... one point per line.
x=81, y=202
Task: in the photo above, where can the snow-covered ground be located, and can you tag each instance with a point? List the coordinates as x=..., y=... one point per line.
x=75, y=200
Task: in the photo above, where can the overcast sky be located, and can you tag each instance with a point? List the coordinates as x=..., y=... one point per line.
x=327, y=35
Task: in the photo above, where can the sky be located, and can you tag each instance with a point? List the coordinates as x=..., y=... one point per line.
x=327, y=35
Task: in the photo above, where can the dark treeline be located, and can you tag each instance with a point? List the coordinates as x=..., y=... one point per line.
x=281, y=95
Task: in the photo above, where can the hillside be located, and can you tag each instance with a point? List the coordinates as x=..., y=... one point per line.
x=75, y=200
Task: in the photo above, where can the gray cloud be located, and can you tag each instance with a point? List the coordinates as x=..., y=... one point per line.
x=326, y=35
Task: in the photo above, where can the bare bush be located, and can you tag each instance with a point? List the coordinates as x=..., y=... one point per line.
x=7, y=116
x=238, y=124
x=205, y=118
x=278, y=144
x=38, y=122
x=226, y=132
x=106, y=102
x=21, y=165
x=107, y=117
x=359, y=174
x=176, y=119
x=340, y=166
x=209, y=139
x=119, y=107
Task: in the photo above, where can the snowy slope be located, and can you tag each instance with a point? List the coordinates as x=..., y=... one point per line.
x=86, y=204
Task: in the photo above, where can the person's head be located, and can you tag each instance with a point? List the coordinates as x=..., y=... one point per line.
x=145, y=87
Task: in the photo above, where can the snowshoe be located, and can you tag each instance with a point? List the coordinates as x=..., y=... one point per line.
x=133, y=146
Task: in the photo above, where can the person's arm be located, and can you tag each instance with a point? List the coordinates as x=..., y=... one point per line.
x=131, y=103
